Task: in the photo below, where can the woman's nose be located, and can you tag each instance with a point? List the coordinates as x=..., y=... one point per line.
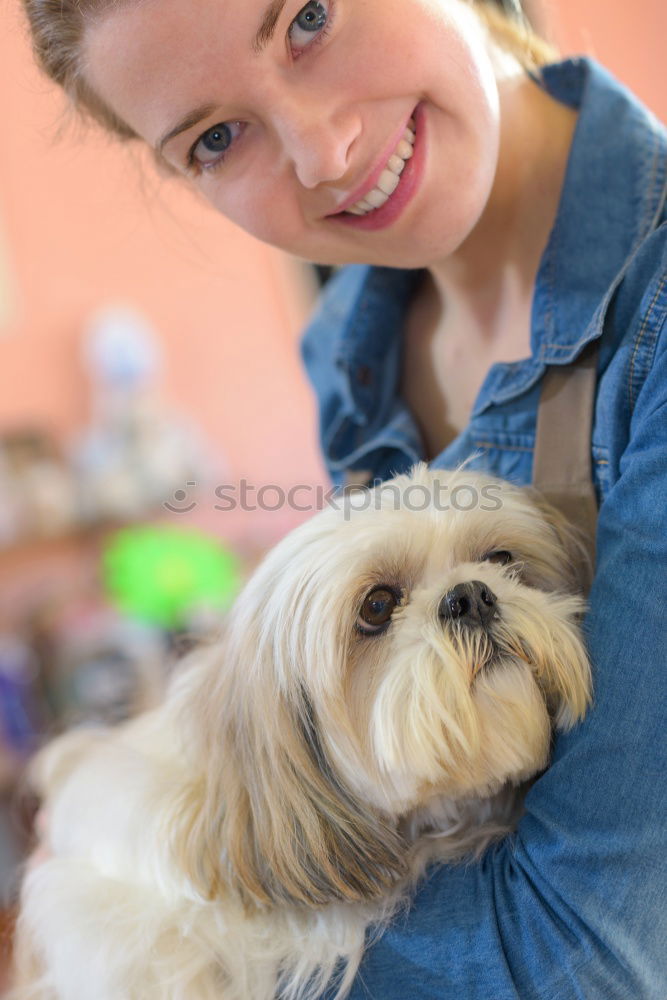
x=318, y=144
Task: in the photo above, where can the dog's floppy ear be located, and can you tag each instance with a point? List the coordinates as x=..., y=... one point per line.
x=572, y=540
x=271, y=820
x=293, y=832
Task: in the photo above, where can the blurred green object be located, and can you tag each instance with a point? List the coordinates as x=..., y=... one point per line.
x=164, y=575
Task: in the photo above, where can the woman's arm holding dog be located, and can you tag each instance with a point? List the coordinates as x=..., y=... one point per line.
x=575, y=905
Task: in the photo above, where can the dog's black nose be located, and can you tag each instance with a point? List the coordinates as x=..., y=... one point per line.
x=472, y=604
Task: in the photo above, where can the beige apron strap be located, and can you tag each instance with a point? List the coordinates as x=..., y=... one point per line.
x=562, y=468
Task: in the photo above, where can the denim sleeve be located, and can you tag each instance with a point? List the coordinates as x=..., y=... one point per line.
x=574, y=905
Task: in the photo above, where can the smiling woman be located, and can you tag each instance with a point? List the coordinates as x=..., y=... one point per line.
x=285, y=105
x=505, y=217
x=291, y=115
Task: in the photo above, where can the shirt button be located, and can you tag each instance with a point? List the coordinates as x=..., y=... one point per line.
x=364, y=375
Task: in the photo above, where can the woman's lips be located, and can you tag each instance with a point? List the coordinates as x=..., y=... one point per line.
x=407, y=186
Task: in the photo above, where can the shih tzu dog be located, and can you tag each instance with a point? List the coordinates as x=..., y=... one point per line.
x=387, y=686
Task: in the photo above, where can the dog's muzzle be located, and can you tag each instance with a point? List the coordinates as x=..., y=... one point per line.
x=472, y=605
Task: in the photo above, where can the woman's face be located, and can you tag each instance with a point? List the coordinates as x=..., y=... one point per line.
x=285, y=115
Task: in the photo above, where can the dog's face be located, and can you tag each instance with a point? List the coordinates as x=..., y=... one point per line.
x=386, y=653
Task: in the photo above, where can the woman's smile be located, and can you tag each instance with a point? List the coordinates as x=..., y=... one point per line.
x=311, y=125
x=382, y=182
x=383, y=201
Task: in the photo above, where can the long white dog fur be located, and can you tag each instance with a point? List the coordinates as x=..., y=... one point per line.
x=356, y=721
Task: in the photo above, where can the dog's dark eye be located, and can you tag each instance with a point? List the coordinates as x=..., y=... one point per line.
x=376, y=611
x=500, y=556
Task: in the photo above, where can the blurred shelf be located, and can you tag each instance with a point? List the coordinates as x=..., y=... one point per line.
x=93, y=532
x=28, y=543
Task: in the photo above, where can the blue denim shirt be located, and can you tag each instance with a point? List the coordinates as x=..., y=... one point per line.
x=574, y=905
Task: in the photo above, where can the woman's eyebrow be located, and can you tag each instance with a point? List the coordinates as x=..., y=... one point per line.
x=262, y=39
x=188, y=121
x=268, y=25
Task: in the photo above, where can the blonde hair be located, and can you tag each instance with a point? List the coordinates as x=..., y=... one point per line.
x=511, y=30
x=58, y=27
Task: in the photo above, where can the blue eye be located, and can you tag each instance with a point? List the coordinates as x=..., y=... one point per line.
x=311, y=20
x=217, y=140
x=211, y=147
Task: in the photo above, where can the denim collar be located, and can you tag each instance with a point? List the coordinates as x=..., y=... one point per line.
x=606, y=209
x=605, y=212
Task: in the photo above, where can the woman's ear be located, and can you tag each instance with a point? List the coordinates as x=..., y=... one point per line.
x=270, y=821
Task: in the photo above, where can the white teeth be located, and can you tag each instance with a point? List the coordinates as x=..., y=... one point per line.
x=390, y=176
x=404, y=149
x=388, y=181
x=396, y=164
x=377, y=197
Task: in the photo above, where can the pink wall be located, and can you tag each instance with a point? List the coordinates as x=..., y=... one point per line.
x=628, y=38
x=87, y=222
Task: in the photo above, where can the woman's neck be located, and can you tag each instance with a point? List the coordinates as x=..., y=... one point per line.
x=492, y=274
